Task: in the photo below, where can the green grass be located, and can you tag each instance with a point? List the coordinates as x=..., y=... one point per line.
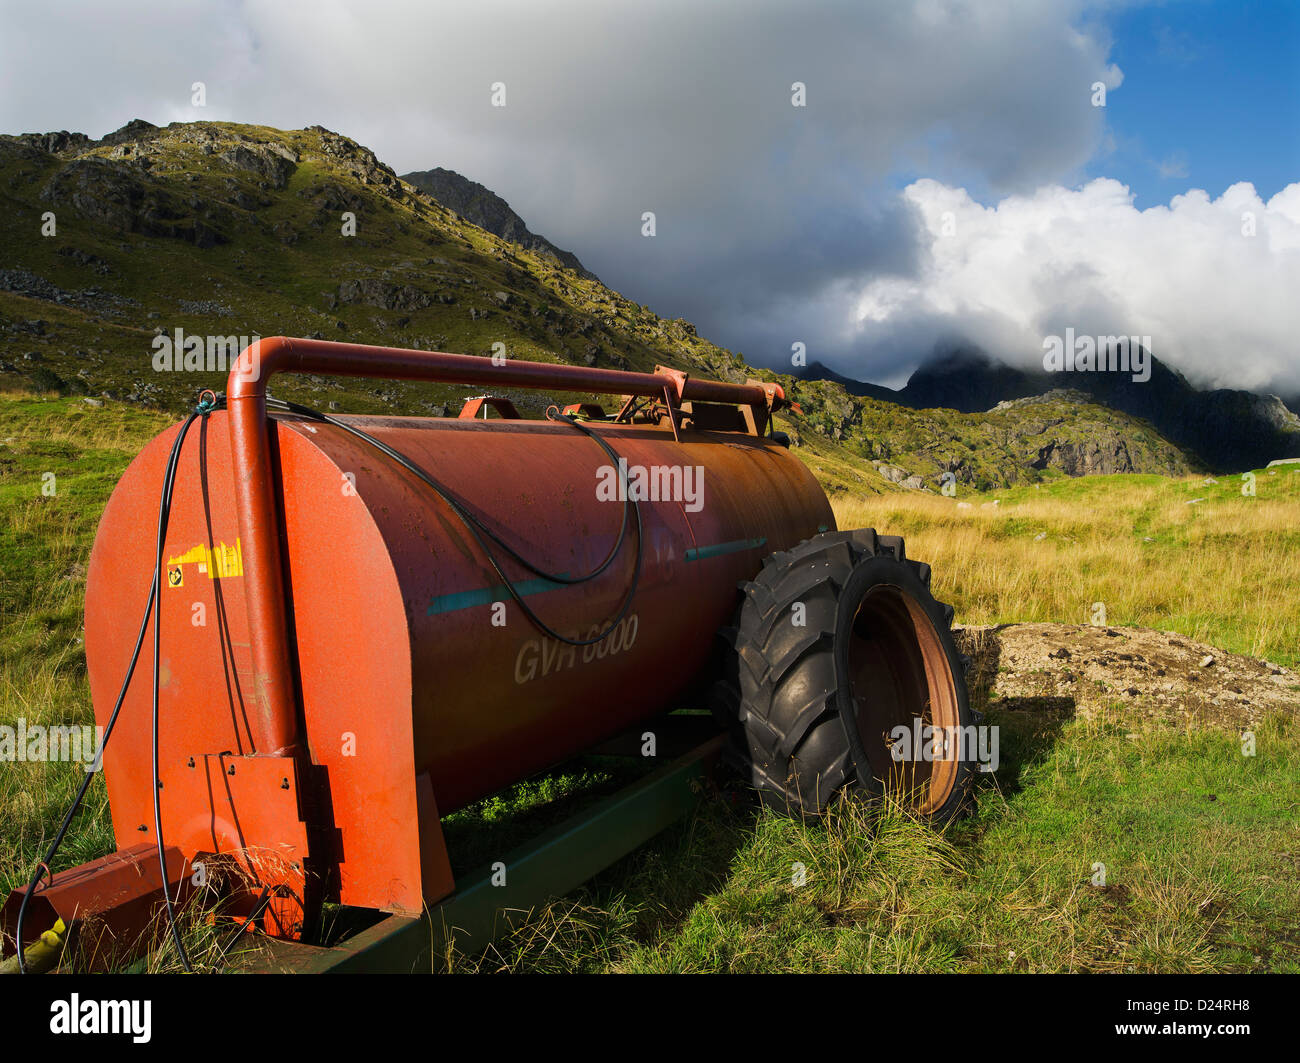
x=45, y=542
x=1197, y=842
x=480, y=833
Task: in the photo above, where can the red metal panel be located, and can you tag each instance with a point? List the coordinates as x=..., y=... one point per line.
x=353, y=781
x=353, y=660
x=126, y=884
x=473, y=407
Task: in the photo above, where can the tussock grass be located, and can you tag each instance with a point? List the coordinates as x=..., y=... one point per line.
x=1190, y=883
x=1223, y=570
x=45, y=541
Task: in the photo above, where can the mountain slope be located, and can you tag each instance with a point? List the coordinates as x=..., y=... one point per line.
x=1225, y=429
x=482, y=207
x=223, y=229
x=231, y=230
x=1060, y=433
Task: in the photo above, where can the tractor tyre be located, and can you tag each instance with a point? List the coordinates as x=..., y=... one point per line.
x=837, y=644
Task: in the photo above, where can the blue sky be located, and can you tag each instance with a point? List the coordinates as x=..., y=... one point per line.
x=1211, y=91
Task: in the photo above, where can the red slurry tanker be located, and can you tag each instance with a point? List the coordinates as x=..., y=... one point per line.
x=365, y=623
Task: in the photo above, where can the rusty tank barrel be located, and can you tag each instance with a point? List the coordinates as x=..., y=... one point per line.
x=255, y=496
x=341, y=660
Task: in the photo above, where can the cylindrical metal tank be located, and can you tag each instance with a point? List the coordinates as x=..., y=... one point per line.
x=419, y=683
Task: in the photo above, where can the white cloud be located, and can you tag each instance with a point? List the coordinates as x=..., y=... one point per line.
x=1173, y=166
x=1221, y=306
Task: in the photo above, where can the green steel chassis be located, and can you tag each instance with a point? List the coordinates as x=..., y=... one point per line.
x=551, y=865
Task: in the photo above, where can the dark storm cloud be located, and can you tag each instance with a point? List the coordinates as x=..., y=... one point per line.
x=771, y=219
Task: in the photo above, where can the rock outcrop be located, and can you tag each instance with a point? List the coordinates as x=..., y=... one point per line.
x=484, y=208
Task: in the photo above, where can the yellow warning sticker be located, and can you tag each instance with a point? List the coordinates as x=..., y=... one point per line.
x=218, y=562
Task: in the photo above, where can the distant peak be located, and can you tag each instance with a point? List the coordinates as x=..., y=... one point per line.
x=133, y=130
x=481, y=206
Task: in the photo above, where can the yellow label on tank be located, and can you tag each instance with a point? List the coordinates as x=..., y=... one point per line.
x=218, y=562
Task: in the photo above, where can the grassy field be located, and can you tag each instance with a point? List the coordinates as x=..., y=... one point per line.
x=1198, y=843
x=1192, y=883
x=1191, y=555
x=45, y=542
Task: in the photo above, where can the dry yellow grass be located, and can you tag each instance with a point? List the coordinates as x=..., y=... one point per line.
x=1224, y=570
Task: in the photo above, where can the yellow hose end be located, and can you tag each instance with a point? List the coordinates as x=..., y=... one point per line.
x=54, y=936
x=41, y=954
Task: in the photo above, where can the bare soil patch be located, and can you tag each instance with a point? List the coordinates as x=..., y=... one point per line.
x=1159, y=675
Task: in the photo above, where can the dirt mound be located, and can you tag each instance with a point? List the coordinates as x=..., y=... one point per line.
x=1066, y=669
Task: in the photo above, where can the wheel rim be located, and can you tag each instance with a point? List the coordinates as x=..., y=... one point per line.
x=899, y=673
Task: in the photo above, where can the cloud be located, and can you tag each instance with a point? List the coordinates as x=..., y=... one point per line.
x=1174, y=166
x=775, y=224
x=1217, y=302
x=768, y=216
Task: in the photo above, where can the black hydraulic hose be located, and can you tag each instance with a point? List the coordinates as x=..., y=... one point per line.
x=164, y=516
x=479, y=530
x=153, y=600
x=459, y=508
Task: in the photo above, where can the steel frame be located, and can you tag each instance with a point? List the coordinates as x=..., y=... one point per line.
x=478, y=913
